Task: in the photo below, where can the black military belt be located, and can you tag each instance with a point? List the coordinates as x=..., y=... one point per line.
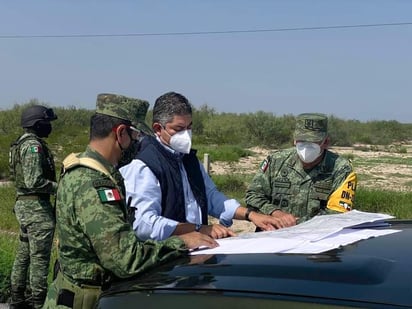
x=33, y=197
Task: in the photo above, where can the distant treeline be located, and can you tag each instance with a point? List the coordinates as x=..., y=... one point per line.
x=71, y=130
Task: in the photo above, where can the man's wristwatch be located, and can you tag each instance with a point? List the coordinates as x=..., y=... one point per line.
x=198, y=227
x=248, y=211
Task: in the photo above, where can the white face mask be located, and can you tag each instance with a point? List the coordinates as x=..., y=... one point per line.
x=181, y=141
x=308, y=152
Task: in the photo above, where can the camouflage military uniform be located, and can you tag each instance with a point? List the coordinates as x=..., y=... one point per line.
x=282, y=184
x=33, y=168
x=304, y=186
x=97, y=245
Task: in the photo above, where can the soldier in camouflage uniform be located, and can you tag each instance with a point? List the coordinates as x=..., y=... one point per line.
x=97, y=245
x=299, y=183
x=32, y=167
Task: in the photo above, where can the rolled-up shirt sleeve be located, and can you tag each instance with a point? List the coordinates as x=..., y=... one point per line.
x=146, y=196
x=219, y=205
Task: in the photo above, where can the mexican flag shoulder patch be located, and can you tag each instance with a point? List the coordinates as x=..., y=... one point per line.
x=109, y=195
x=264, y=165
x=35, y=149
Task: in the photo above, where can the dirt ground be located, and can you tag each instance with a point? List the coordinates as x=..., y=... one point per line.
x=374, y=175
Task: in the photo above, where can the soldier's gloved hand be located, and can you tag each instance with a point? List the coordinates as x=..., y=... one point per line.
x=286, y=218
x=216, y=231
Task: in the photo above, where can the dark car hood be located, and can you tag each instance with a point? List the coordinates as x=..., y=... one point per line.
x=376, y=270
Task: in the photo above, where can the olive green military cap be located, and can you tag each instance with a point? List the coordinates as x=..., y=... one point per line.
x=138, y=110
x=119, y=106
x=113, y=105
x=311, y=127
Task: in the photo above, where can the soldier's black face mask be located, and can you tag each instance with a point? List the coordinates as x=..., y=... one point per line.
x=43, y=128
x=131, y=152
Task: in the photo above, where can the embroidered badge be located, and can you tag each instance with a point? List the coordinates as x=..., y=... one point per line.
x=109, y=195
x=35, y=149
x=264, y=165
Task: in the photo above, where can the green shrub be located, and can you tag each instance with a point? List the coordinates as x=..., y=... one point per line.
x=8, y=238
x=403, y=150
x=233, y=185
x=362, y=148
x=71, y=131
x=349, y=156
x=8, y=220
x=394, y=203
x=8, y=244
x=226, y=153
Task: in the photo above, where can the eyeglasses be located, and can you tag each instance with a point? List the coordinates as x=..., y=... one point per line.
x=134, y=133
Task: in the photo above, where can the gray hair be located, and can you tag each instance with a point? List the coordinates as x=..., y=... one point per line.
x=169, y=105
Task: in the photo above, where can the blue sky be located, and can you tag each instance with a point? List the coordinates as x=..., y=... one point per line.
x=353, y=73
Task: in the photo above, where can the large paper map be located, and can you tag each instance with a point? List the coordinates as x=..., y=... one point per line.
x=320, y=234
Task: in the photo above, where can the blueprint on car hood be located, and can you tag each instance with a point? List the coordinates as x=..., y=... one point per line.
x=320, y=234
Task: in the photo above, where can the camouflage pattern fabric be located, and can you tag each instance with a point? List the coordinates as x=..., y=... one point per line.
x=114, y=105
x=138, y=110
x=36, y=222
x=311, y=127
x=33, y=166
x=282, y=184
x=96, y=243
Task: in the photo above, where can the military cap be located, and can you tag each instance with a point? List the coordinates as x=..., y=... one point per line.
x=114, y=105
x=311, y=127
x=138, y=110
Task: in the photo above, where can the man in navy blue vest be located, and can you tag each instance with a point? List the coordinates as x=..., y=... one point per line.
x=167, y=185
